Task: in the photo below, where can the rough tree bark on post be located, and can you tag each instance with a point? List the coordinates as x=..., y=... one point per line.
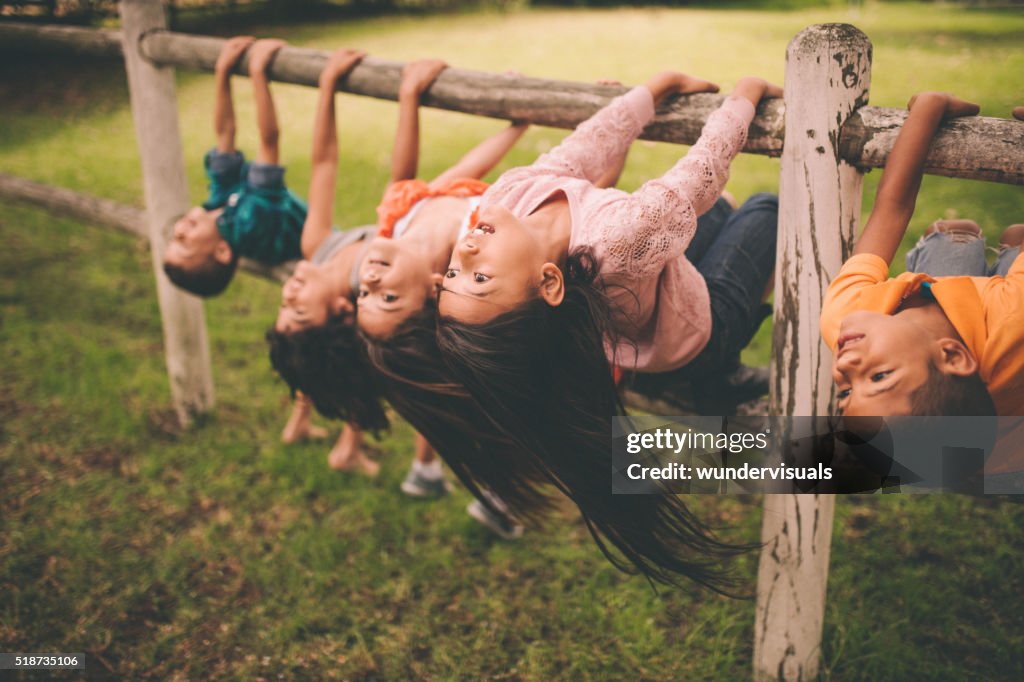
x=155, y=113
x=827, y=78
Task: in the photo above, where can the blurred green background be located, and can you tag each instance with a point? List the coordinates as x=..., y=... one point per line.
x=218, y=552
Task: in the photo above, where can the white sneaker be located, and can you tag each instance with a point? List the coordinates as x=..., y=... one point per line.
x=418, y=485
x=501, y=525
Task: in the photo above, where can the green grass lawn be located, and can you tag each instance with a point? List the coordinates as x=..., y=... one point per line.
x=218, y=552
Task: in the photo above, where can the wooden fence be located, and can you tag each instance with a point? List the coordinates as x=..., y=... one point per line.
x=832, y=137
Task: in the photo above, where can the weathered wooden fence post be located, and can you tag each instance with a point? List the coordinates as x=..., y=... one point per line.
x=828, y=73
x=155, y=112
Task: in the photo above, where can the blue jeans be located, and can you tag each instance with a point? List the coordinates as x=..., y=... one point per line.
x=944, y=254
x=734, y=250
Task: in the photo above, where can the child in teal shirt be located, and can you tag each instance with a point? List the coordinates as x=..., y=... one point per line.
x=249, y=212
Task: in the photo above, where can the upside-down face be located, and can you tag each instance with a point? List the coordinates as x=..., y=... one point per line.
x=308, y=300
x=497, y=266
x=395, y=280
x=195, y=240
x=880, y=361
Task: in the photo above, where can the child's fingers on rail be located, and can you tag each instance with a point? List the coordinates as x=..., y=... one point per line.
x=418, y=75
x=262, y=53
x=691, y=84
x=232, y=51
x=954, y=106
x=342, y=61
x=957, y=107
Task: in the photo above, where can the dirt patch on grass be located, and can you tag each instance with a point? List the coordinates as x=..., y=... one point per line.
x=163, y=424
x=113, y=459
x=9, y=411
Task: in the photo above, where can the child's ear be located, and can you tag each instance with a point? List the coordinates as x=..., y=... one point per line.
x=222, y=252
x=343, y=307
x=552, y=287
x=956, y=359
x=436, y=279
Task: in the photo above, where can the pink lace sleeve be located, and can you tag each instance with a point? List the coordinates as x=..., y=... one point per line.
x=657, y=222
x=590, y=149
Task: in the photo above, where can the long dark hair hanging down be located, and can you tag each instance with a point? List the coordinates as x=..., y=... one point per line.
x=419, y=386
x=328, y=364
x=539, y=389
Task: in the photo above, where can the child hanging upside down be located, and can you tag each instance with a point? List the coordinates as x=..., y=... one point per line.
x=935, y=343
x=947, y=336
x=558, y=280
x=314, y=344
x=249, y=212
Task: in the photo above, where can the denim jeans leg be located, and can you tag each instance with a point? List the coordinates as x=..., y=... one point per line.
x=1005, y=260
x=266, y=175
x=944, y=254
x=709, y=226
x=743, y=244
x=736, y=269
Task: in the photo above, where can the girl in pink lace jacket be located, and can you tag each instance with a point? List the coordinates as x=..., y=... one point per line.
x=533, y=218
x=559, y=279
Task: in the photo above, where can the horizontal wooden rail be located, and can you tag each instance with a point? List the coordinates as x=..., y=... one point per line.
x=106, y=213
x=973, y=148
x=49, y=39
x=978, y=148
x=558, y=104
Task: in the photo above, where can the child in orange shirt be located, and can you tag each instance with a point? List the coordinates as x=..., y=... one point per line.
x=943, y=343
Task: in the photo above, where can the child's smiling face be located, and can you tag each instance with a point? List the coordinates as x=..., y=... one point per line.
x=308, y=300
x=497, y=266
x=195, y=240
x=880, y=360
x=395, y=280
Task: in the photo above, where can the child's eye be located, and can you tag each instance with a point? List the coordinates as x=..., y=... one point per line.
x=450, y=273
x=878, y=376
x=389, y=298
x=480, y=278
x=363, y=293
x=843, y=394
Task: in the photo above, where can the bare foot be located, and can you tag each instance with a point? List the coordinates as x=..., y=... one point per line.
x=316, y=432
x=347, y=454
x=293, y=433
x=298, y=426
x=355, y=461
x=1013, y=235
